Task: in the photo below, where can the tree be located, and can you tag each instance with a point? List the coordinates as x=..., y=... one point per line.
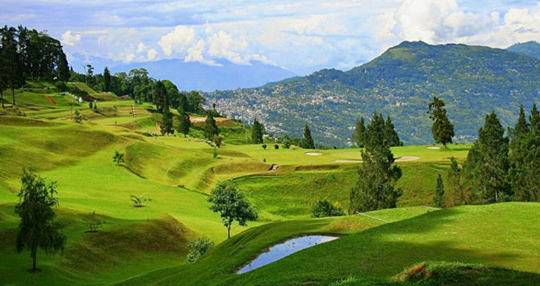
x=324, y=208
x=390, y=133
x=488, y=163
x=63, y=67
x=442, y=129
x=77, y=118
x=359, y=135
x=38, y=227
x=455, y=184
x=118, y=157
x=520, y=138
x=160, y=96
x=307, y=141
x=184, y=123
x=439, y=198
x=210, y=127
x=232, y=206
x=375, y=188
x=13, y=71
x=257, y=132
x=106, y=79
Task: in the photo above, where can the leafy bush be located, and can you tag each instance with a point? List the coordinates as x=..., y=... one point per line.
x=276, y=146
x=92, y=222
x=197, y=248
x=324, y=208
x=139, y=201
x=118, y=157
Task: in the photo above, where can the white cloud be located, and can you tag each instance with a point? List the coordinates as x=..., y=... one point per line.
x=151, y=54
x=196, y=54
x=69, y=39
x=177, y=40
x=141, y=47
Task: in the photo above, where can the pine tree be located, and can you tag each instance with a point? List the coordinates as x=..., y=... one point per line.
x=535, y=119
x=257, y=132
x=442, y=129
x=439, y=198
x=455, y=184
x=106, y=79
x=519, y=149
x=184, y=123
x=307, y=141
x=488, y=163
x=167, y=124
x=210, y=127
x=359, y=135
x=375, y=188
x=390, y=133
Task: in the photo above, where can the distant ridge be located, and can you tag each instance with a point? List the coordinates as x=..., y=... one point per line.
x=472, y=80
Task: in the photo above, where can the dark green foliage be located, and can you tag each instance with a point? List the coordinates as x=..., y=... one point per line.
x=106, y=79
x=377, y=178
x=442, y=129
x=488, y=163
x=210, y=127
x=138, y=201
x=257, y=132
x=215, y=152
x=183, y=122
x=13, y=73
x=198, y=247
x=390, y=133
x=276, y=146
x=439, y=198
x=90, y=105
x=38, y=227
x=307, y=140
x=264, y=146
x=232, y=205
x=359, y=135
x=455, y=183
x=61, y=86
x=324, y=208
x=160, y=96
x=286, y=142
x=118, y=157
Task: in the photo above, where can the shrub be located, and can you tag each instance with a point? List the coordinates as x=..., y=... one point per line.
x=197, y=248
x=92, y=222
x=77, y=118
x=60, y=86
x=276, y=146
x=139, y=201
x=264, y=146
x=286, y=144
x=118, y=157
x=324, y=208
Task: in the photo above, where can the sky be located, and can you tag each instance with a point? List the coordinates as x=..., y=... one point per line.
x=302, y=36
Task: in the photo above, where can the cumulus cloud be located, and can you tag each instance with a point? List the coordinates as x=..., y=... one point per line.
x=151, y=54
x=177, y=40
x=69, y=39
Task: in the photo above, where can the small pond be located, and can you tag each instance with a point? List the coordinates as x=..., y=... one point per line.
x=286, y=248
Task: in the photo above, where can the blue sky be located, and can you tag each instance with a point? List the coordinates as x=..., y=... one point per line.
x=302, y=36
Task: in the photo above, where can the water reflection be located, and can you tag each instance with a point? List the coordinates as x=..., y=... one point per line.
x=286, y=248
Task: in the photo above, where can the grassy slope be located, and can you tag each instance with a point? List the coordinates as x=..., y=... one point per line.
x=501, y=235
x=176, y=173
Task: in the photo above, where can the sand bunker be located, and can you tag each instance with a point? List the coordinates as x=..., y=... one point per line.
x=434, y=148
x=313, y=153
x=407, y=158
x=348, y=161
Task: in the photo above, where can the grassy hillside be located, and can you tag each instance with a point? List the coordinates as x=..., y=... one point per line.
x=501, y=235
x=148, y=245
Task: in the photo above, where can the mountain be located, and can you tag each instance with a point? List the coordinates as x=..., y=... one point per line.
x=471, y=80
x=531, y=49
x=193, y=75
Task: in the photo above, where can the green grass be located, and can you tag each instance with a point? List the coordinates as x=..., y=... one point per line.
x=142, y=246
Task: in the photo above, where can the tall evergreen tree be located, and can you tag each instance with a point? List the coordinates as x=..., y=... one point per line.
x=307, y=141
x=535, y=119
x=375, y=188
x=390, y=133
x=184, y=122
x=167, y=124
x=106, y=79
x=210, y=127
x=257, y=132
x=13, y=71
x=359, y=135
x=519, y=147
x=455, y=184
x=160, y=96
x=439, y=198
x=488, y=162
x=442, y=129
x=63, y=67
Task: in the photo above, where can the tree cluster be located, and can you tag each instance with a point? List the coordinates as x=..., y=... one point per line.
x=361, y=134
x=28, y=54
x=500, y=168
x=378, y=176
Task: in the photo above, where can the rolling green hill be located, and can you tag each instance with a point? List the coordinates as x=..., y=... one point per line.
x=471, y=80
